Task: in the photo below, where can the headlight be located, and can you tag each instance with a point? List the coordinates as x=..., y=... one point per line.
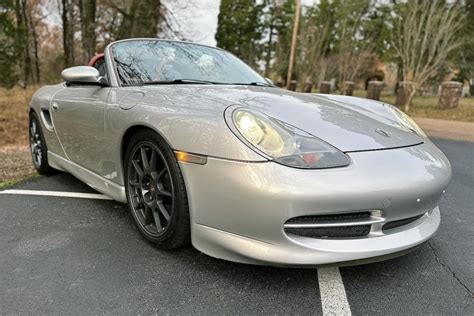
x=407, y=121
x=285, y=144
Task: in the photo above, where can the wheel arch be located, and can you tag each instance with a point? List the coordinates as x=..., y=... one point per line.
x=128, y=134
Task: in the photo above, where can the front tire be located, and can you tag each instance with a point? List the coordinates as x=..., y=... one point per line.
x=156, y=192
x=38, y=148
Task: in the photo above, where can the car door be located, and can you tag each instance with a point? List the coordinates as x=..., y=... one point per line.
x=78, y=117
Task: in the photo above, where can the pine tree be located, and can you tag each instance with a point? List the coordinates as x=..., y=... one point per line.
x=239, y=29
x=11, y=49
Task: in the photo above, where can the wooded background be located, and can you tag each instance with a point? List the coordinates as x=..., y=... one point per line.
x=424, y=41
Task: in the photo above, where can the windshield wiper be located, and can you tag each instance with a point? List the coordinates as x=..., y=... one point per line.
x=255, y=83
x=175, y=81
x=197, y=81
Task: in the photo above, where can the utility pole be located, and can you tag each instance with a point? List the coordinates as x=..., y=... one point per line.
x=293, y=42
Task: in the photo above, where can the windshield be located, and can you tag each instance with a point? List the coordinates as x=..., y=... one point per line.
x=154, y=62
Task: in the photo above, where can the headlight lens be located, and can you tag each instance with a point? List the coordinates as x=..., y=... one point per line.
x=407, y=121
x=286, y=144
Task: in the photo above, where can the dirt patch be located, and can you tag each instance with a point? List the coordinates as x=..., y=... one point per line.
x=15, y=163
x=15, y=158
x=14, y=115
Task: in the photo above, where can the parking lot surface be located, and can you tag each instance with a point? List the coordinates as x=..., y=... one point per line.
x=70, y=255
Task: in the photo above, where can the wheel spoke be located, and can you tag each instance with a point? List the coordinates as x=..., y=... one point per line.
x=156, y=216
x=163, y=210
x=147, y=216
x=138, y=169
x=135, y=184
x=146, y=164
x=160, y=174
x=152, y=164
x=164, y=193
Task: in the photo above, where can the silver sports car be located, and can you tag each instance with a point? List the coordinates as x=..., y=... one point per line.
x=205, y=150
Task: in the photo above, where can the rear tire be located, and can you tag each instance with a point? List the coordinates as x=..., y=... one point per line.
x=156, y=192
x=38, y=148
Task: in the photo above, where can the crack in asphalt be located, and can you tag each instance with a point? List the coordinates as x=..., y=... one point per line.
x=448, y=269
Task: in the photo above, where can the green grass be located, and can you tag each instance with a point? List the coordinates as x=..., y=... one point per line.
x=8, y=183
x=427, y=106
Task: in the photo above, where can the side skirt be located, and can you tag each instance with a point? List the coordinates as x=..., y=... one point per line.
x=99, y=183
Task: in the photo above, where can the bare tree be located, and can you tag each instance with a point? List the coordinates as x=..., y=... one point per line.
x=67, y=14
x=424, y=34
x=311, y=52
x=314, y=44
x=34, y=16
x=352, y=49
x=140, y=18
x=87, y=9
x=22, y=40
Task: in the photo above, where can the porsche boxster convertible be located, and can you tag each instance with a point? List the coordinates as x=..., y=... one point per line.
x=206, y=151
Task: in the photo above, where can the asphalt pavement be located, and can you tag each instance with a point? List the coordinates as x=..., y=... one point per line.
x=61, y=255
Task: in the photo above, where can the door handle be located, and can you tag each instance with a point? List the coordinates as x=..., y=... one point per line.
x=55, y=106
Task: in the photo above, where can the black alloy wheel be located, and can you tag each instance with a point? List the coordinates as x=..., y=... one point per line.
x=155, y=191
x=38, y=148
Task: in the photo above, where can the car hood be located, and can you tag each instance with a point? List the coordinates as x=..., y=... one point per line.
x=346, y=123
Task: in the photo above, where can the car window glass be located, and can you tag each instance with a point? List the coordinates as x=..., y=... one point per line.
x=150, y=60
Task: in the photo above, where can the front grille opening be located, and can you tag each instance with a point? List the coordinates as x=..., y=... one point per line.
x=331, y=232
x=401, y=222
x=329, y=218
x=344, y=226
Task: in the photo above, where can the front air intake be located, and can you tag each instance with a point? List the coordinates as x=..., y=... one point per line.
x=349, y=225
x=401, y=222
x=331, y=232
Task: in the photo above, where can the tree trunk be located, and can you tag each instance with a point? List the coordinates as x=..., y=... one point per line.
x=404, y=89
x=141, y=20
x=87, y=10
x=268, y=55
x=409, y=99
x=37, y=66
x=28, y=70
x=68, y=32
x=18, y=36
x=34, y=36
x=22, y=40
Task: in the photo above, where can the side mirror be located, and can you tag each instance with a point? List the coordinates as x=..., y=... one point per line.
x=82, y=75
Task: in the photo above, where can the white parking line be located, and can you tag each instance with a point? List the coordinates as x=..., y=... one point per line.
x=333, y=295
x=58, y=193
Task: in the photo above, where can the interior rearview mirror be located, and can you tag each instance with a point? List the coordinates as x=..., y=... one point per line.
x=82, y=74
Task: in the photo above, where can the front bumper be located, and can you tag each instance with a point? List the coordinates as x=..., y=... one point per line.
x=238, y=209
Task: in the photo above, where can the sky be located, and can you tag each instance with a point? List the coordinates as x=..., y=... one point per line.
x=197, y=19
